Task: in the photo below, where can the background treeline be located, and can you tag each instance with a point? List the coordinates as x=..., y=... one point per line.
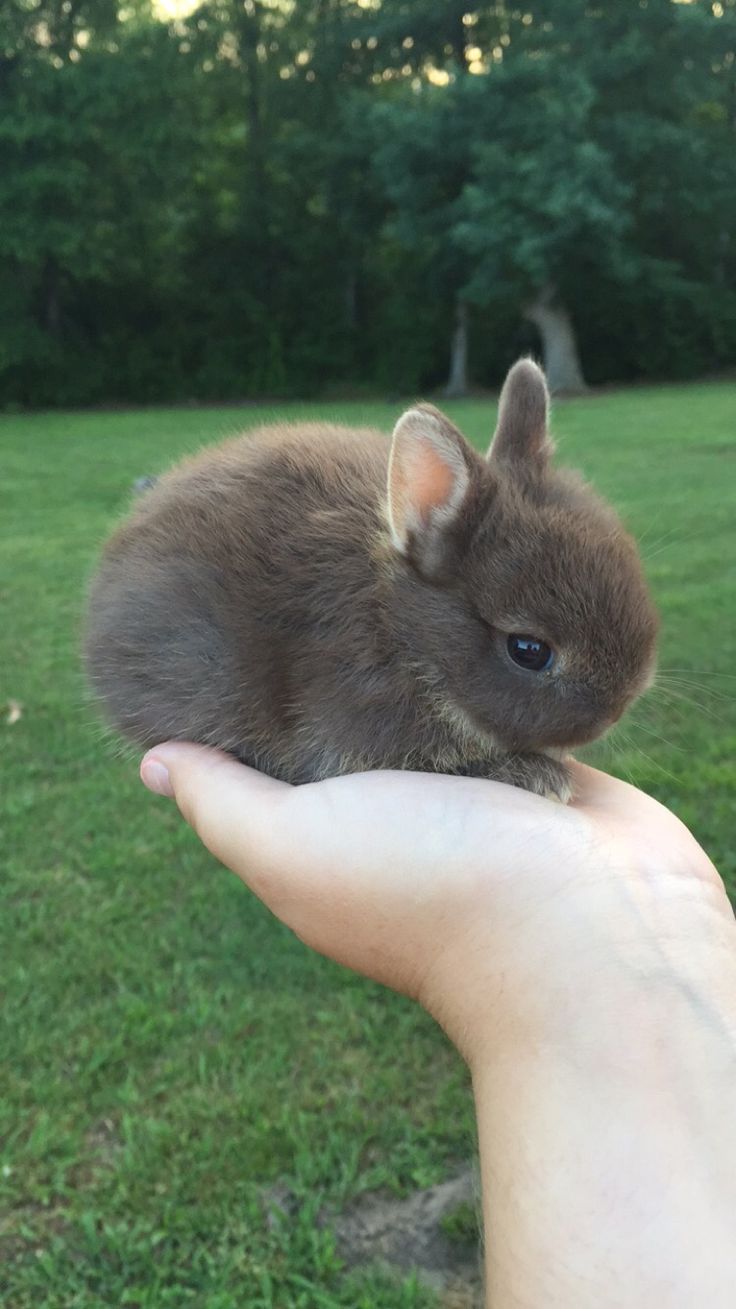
x=282, y=197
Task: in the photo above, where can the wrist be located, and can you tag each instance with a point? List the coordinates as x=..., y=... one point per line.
x=627, y=960
x=608, y=1154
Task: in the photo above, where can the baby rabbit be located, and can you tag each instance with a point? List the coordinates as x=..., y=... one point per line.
x=318, y=602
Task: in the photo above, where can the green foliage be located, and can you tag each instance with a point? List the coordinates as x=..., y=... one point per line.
x=269, y=200
x=529, y=216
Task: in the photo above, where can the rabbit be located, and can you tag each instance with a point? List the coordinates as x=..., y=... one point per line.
x=318, y=601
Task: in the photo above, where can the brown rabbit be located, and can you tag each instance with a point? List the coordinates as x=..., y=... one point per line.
x=318, y=602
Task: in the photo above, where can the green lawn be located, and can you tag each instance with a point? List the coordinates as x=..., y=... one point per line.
x=169, y=1051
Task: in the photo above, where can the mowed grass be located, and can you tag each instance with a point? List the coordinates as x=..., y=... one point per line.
x=169, y=1051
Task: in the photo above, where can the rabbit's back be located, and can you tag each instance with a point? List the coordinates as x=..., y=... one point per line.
x=223, y=595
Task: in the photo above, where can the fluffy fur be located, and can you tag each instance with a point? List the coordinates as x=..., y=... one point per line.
x=318, y=602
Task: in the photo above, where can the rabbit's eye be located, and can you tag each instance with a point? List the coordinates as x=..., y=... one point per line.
x=529, y=652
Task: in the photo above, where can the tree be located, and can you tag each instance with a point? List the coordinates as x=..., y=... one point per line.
x=75, y=251
x=271, y=197
x=655, y=80
x=540, y=198
x=421, y=159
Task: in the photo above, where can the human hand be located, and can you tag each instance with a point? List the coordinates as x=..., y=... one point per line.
x=583, y=960
x=509, y=917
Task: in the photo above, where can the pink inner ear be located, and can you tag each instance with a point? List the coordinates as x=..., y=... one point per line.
x=422, y=482
x=435, y=480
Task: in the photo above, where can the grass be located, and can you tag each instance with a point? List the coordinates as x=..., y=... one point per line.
x=169, y=1051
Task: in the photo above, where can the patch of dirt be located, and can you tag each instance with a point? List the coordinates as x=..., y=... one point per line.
x=103, y=1141
x=434, y=1232
x=102, y=1146
x=463, y=1295
x=409, y=1233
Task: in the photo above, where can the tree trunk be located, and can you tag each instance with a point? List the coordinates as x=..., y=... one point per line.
x=559, y=347
x=457, y=382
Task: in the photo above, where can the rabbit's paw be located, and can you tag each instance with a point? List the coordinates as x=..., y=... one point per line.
x=537, y=773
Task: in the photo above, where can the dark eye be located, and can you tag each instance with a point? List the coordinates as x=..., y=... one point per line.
x=529, y=652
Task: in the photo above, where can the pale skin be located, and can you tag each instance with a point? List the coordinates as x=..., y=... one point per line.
x=582, y=958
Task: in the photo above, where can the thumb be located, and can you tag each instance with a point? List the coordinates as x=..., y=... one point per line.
x=297, y=848
x=236, y=811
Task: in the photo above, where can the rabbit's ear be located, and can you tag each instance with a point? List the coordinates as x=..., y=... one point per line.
x=429, y=474
x=522, y=431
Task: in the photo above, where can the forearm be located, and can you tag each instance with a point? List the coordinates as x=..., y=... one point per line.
x=609, y=1161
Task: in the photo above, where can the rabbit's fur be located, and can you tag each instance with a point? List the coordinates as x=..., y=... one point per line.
x=318, y=601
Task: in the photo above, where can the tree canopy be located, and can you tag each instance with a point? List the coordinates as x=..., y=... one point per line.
x=277, y=197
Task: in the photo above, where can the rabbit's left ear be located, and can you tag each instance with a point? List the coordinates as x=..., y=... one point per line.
x=429, y=476
x=522, y=431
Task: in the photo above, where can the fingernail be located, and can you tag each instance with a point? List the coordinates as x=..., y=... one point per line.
x=155, y=776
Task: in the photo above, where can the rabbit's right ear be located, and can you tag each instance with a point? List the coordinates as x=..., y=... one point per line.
x=429, y=475
x=522, y=431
